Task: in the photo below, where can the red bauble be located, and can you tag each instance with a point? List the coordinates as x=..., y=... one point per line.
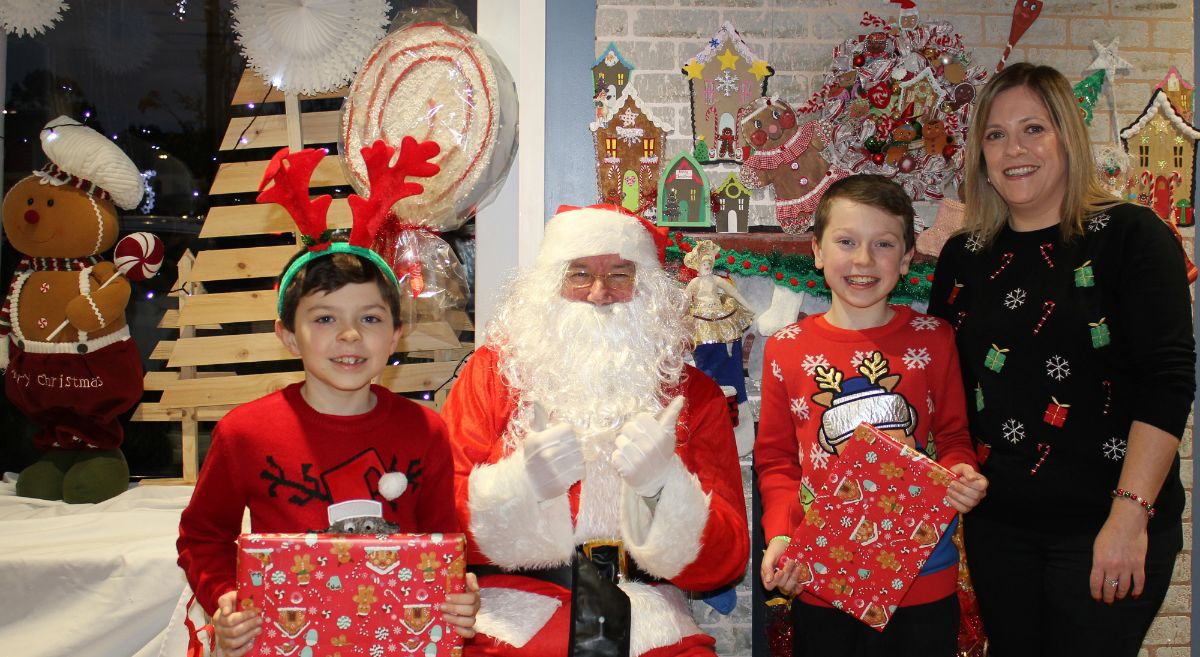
x=762, y=268
x=948, y=151
x=745, y=264
x=859, y=60
x=779, y=276
x=793, y=282
x=877, y=158
x=812, y=283
x=730, y=259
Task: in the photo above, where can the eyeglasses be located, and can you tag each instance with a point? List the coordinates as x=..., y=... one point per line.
x=618, y=281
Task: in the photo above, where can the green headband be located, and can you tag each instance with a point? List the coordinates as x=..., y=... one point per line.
x=334, y=247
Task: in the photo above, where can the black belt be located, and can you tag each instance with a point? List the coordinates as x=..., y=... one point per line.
x=610, y=560
x=600, y=613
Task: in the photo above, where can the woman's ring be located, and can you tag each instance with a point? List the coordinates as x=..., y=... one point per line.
x=1113, y=582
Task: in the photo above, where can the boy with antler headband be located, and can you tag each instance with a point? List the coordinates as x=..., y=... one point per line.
x=863, y=361
x=294, y=456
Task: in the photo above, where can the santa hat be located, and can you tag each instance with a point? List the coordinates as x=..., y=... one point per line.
x=600, y=230
x=86, y=159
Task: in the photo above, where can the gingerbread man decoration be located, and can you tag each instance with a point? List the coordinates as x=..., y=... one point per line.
x=787, y=156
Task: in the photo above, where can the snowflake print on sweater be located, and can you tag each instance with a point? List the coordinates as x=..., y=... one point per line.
x=788, y=332
x=924, y=323
x=1115, y=448
x=916, y=359
x=812, y=362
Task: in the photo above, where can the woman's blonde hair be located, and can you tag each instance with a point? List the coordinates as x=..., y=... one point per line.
x=986, y=211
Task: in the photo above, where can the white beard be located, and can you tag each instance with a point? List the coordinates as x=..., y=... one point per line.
x=591, y=366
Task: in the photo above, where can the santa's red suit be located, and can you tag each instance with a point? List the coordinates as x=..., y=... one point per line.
x=695, y=538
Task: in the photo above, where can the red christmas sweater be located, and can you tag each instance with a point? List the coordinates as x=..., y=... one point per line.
x=287, y=463
x=820, y=382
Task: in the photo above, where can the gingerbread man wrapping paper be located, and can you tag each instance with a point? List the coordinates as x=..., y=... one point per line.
x=364, y=595
x=70, y=365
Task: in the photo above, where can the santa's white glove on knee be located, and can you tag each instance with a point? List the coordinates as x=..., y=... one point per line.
x=644, y=448
x=553, y=457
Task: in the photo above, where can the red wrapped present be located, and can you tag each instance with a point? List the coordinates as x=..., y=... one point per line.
x=871, y=526
x=326, y=594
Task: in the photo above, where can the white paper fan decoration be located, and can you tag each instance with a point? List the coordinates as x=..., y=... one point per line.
x=30, y=17
x=308, y=46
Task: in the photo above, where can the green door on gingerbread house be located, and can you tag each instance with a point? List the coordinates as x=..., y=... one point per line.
x=683, y=194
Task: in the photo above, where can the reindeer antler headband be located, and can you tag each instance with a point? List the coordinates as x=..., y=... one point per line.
x=291, y=173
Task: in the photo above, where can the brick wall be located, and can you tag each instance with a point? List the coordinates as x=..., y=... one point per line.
x=797, y=36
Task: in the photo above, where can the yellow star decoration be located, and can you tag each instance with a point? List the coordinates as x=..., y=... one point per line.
x=694, y=69
x=729, y=60
x=759, y=69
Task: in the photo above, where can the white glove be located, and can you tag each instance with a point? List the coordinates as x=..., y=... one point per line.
x=553, y=458
x=644, y=449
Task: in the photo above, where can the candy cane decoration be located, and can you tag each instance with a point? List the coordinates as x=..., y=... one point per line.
x=1107, y=395
x=1046, y=249
x=1044, y=449
x=954, y=292
x=1005, y=260
x=1025, y=12
x=1047, y=308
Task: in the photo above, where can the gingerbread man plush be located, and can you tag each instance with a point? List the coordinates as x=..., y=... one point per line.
x=787, y=155
x=71, y=366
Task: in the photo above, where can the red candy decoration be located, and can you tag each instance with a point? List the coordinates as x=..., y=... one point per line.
x=139, y=256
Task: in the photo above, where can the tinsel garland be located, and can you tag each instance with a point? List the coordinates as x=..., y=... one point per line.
x=796, y=271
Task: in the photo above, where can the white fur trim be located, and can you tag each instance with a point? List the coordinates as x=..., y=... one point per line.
x=392, y=485
x=510, y=526
x=665, y=543
x=4, y=352
x=85, y=153
x=661, y=616
x=513, y=616
x=593, y=231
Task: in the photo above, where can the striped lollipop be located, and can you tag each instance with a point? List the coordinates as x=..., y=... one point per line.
x=139, y=256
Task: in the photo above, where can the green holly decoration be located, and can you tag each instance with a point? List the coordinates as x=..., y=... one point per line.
x=978, y=397
x=1100, y=334
x=1087, y=91
x=1084, y=276
x=995, y=358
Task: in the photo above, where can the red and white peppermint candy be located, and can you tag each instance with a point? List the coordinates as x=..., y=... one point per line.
x=139, y=256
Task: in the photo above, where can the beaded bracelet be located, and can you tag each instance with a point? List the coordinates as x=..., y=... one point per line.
x=1121, y=492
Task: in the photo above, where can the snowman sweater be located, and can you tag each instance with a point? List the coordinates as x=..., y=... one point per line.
x=287, y=463
x=1062, y=347
x=902, y=377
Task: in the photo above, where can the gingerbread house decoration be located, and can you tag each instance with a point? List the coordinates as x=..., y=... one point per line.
x=683, y=194
x=1179, y=92
x=610, y=73
x=723, y=77
x=629, y=153
x=732, y=206
x=1162, y=157
x=922, y=94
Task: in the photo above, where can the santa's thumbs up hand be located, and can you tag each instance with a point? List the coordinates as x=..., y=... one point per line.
x=644, y=448
x=553, y=458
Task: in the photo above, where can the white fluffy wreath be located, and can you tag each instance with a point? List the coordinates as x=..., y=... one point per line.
x=30, y=17
x=308, y=46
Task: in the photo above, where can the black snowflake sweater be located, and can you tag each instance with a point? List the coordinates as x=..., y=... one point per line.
x=1062, y=347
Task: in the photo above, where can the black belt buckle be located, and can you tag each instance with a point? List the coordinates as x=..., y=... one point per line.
x=609, y=558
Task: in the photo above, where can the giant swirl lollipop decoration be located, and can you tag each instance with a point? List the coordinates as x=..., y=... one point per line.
x=441, y=83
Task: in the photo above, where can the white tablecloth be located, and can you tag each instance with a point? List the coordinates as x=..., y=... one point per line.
x=94, y=580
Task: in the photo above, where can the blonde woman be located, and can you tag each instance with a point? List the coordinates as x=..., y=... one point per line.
x=1075, y=337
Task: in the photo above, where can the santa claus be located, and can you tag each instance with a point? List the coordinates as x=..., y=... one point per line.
x=595, y=470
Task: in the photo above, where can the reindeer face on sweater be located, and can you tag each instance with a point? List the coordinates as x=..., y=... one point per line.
x=867, y=398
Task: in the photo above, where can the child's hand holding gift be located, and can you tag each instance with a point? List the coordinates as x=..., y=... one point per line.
x=968, y=490
x=235, y=629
